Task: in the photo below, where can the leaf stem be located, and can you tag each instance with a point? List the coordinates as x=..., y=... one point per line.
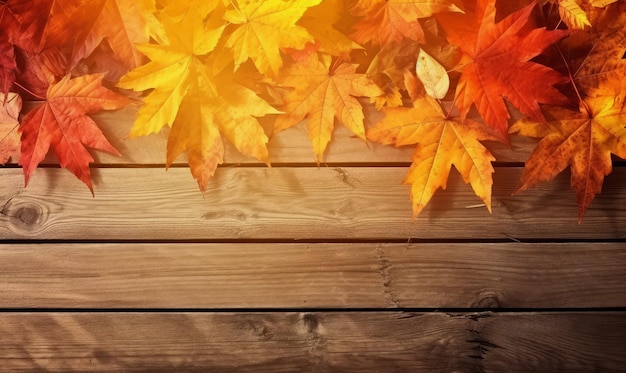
x=571, y=78
x=29, y=91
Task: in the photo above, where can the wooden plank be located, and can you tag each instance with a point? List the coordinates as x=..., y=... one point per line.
x=312, y=275
x=290, y=146
x=317, y=342
x=294, y=204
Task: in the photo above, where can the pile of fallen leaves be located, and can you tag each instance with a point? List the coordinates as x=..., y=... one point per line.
x=209, y=69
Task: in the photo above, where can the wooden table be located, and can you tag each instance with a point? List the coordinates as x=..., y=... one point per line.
x=300, y=268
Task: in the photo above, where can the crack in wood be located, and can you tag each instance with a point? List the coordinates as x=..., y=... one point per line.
x=384, y=268
x=477, y=338
x=316, y=343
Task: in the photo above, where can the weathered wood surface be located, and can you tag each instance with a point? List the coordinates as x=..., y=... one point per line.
x=469, y=275
x=313, y=342
x=150, y=240
x=289, y=203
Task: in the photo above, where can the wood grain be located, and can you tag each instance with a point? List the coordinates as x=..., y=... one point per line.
x=290, y=146
x=349, y=203
x=255, y=275
x=317, y=342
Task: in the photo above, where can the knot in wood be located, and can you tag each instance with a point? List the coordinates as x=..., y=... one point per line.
x=487, y=299
x=310, y=323
x=23, y=214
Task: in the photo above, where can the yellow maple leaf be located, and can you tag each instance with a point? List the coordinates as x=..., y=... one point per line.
x=327, y=37
x=171, y=70
x=441, y=142
x=263, y=27
x=200, y=106
x=323, y=91
x=572, y=14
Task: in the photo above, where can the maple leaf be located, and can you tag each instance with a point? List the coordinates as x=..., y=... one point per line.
x=605, y=61
x=322, y=92
x=49, y=23
x=9, y=136
x=442, y=141
x=581, y=139
x=171, y=70
x=122, y=23
x=7, y=64
x=61, y=123
x=320, y=22
x=263, y=27
x=572, y=14
x=497, y=64
x=387, y=70
x=584, y=139
x=199, y=106
x=385, y=21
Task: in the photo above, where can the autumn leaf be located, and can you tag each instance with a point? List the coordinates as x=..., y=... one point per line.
x=263, y=27
x=387, y=21
x=122, y=24
x=200, y=106
x=432, y=74
x=601, y=3
x=61, y=123
x=322, y=22
x=9, y=136
x=497, y=64
x=323, y=90
x=7, y=64
x=583, y=139
x=441, y=142
x=171, y=70
x=50, y=23
x=573, y=15
x=387, y=70
x=605, y=61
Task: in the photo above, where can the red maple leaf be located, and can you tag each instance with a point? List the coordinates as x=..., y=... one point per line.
x=61, y=123
x=497, y=63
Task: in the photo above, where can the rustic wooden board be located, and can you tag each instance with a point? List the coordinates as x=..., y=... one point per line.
x=290, y=146
x=317, y=342
x=470, y=275
x=347, y=203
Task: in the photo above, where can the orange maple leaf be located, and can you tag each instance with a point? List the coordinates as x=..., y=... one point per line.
x=584, y=139
x=605, y=66
x=322, y=92
x=581, y=139
x=386, y=21
x=61, y=123
x=497, y=64
x=122, y=24
x=442, y=141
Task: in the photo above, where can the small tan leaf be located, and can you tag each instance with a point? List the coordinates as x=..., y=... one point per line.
x=433, y=75
x=9, y=137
